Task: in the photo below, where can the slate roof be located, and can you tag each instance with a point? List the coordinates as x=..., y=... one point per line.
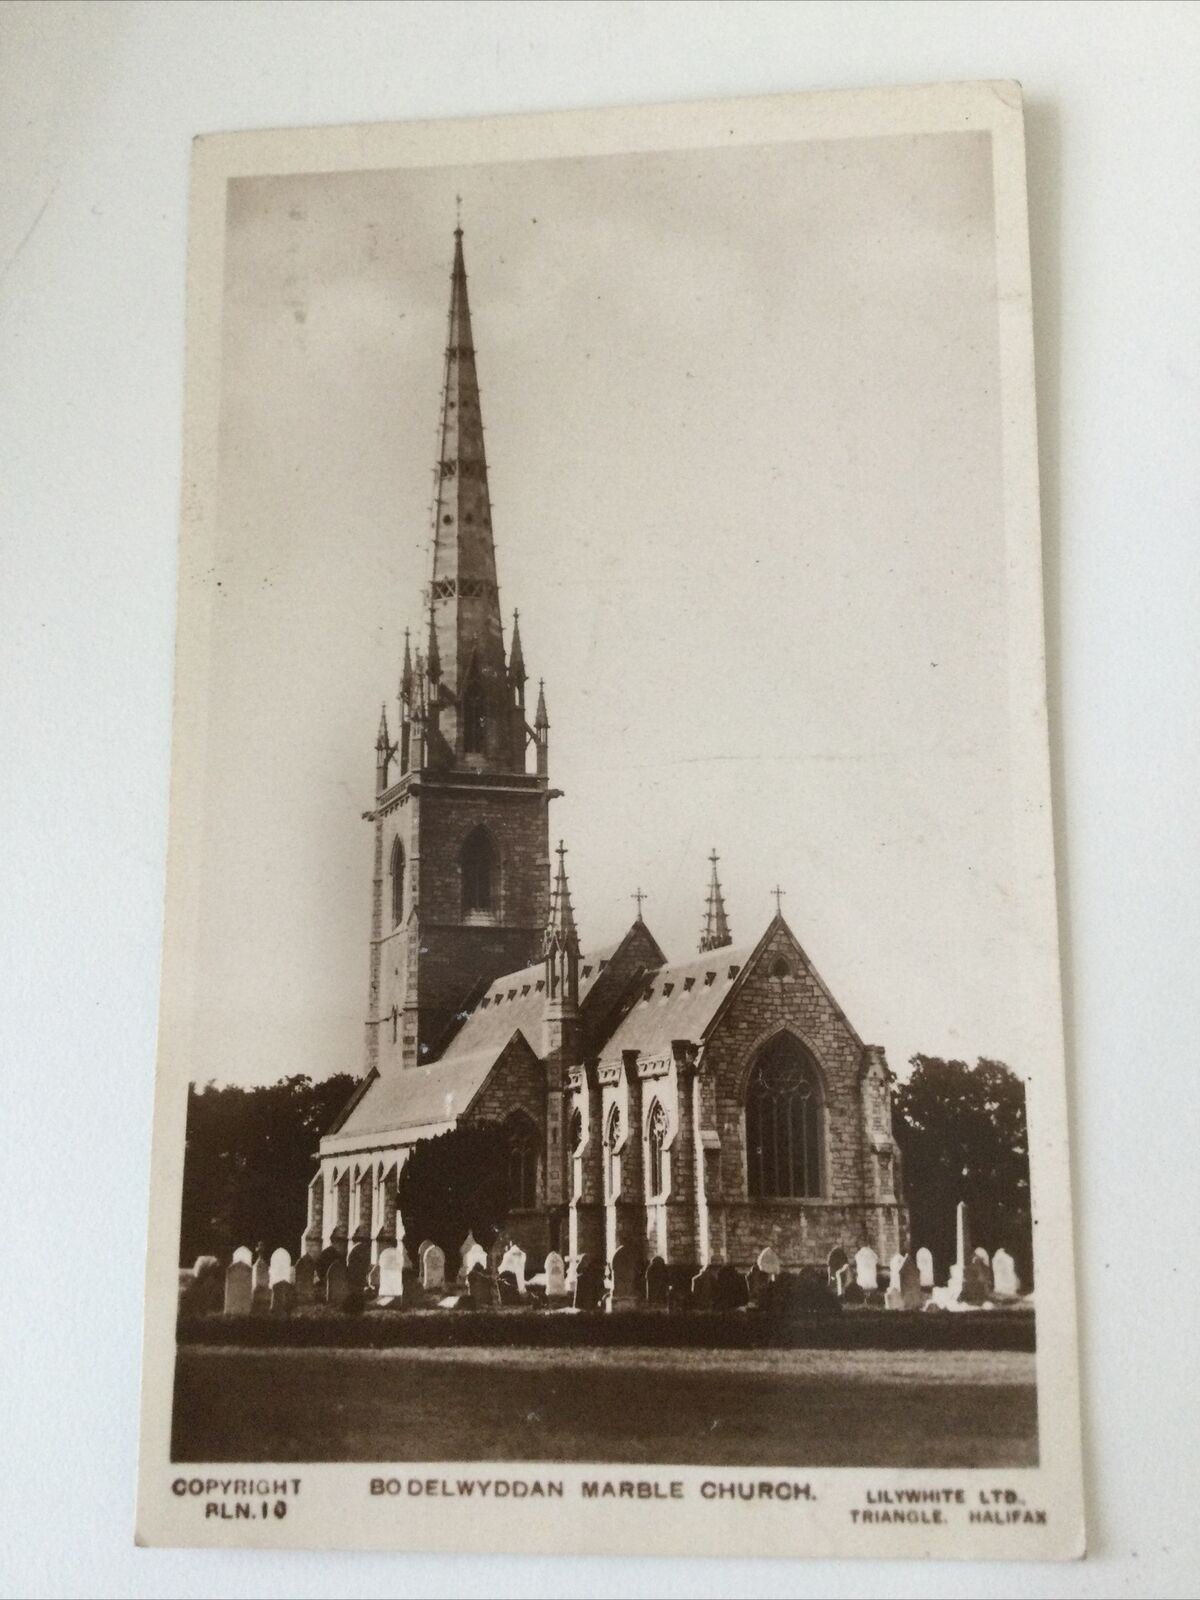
x=418, y=1096
x=677, y=1002
x=518, y=1000
x=441, y=1091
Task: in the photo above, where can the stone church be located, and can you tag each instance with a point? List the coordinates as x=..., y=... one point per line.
x=696, y=1110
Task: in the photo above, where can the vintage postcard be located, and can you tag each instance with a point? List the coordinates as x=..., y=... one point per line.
x=611, y=1088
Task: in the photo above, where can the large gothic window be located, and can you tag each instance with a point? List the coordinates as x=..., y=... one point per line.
x=474, y=717
x=656, y=1134
x=523, y=1144
x=783, y=1123
x=397, y=884
x=480, y=873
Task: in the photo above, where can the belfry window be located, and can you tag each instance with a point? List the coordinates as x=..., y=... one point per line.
x=783, y=1123
x=480, y=874
x=397, y=872
x=522, y=1162
x=474, y=718
x=656, y=1134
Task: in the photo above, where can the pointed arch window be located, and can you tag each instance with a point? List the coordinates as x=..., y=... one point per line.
x=575, y=1146
x=612, y=1155
x=656, y=1138
x=397, y=872
x=480, y=875
x=523, y=1143
x=783, y=1123
x=474, y=717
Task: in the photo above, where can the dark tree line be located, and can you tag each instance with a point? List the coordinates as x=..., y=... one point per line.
x=248, y=1161
x=962, y=1136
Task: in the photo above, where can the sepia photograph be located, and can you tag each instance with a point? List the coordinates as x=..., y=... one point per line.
x=611, y=981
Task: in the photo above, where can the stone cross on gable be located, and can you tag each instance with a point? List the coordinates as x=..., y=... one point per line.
x=779, y=894
x=639, y=895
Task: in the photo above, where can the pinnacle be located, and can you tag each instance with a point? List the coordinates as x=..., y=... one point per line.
x=562, y=916
x=714, y=932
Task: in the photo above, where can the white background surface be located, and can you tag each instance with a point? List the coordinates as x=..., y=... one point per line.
x=98, y=103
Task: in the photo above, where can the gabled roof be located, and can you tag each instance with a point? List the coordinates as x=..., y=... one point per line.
x=677, y=1002
x=417, y=1097
x=511, y=1007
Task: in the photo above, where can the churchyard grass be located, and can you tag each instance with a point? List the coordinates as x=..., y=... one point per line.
x=793, y=1408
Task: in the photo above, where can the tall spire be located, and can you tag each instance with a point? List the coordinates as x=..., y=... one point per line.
x=463, y=597
x=714, y=933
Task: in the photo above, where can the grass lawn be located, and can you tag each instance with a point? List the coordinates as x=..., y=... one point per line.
x=794, y=1408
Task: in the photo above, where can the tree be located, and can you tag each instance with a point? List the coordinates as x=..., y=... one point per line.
x=452, y=1185
x=248, y=1161
x=962, y=1136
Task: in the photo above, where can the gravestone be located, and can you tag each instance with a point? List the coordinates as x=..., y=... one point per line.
x=1004, y=1274
x=906, y=1278
x=813, y=1291
x=260, y=1300
x=758, y=1283
x=973, y=1287
x=473, y=1255
x=589, y=1284
x=866, y=1265
x=244, y=1253
x=391, y=1273
x=984, y=1263
x=704, y=1289
x=337, y=1284
x=281, y=1267
x=412, y=1296
x=679, y=1285
x=838, y=1263
x=425, y=1244
x=238, y=1289
x=358, y=1264
x=925, y=1267
x=556, y=1277
x=626, y=1269
x=433, y=1268
x=768, y=1261
x=656, y=1282
x=510, y=1291
x=513, y=1261
x=481, y=1286
x=729, y=1290
x=496, y=1254
x=207, y=1292
x=962, y=1253
x=306, y=1272
x=283, y=1298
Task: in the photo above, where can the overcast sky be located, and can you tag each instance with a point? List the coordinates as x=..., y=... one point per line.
x=742, y=419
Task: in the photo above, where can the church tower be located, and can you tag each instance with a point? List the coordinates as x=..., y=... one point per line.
x=461, y=876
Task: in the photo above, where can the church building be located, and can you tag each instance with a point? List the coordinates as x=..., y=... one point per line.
x=695, y=1110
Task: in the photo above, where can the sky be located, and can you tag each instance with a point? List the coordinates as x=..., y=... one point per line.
x=743, y=427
